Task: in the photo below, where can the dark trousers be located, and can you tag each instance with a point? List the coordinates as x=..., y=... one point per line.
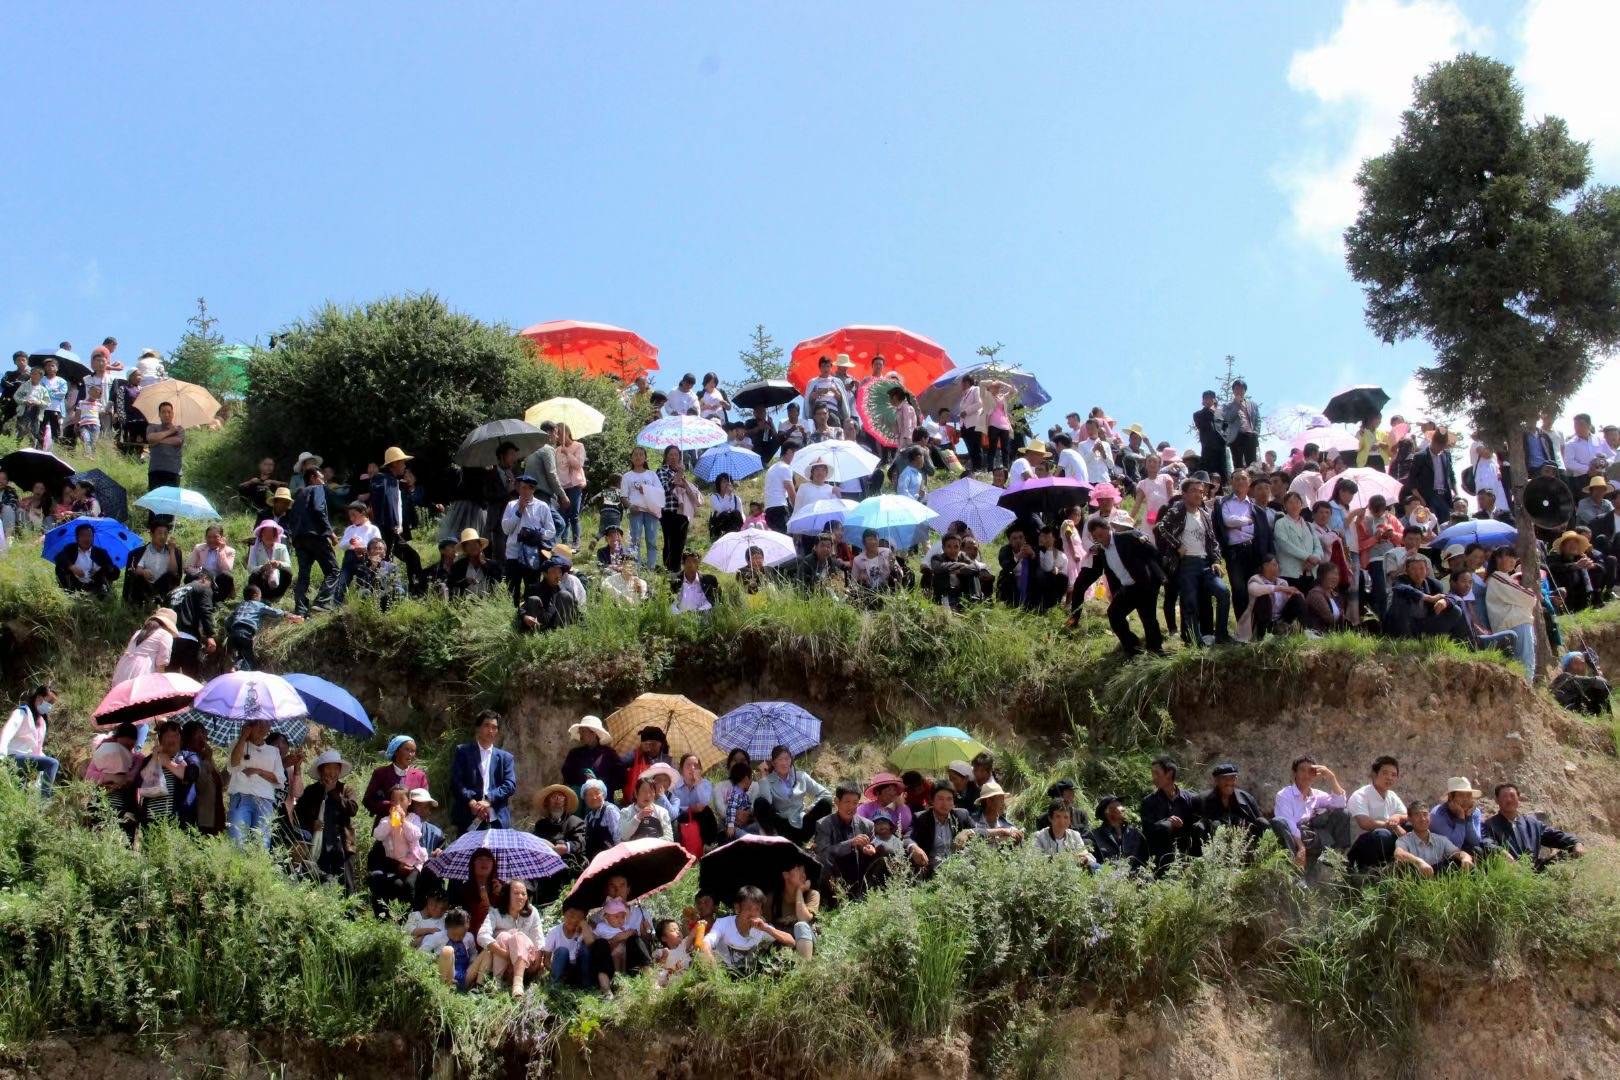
x=310, y=551
x=139, y=592
x=519, y=580
x=156, y=478
x=1373, y=848
x=1196, y=582
x=773, y=823
x=1212, y=458
x=186, y=657
x=776, y=518
x=1268, y=612
x=636, y=955
x=1380, y=587
x=1242, y=563
x=400, y=550
x=1143, y=599
x=1246, y=450
x=973, y=438
x=998, y=448
x=674, y=527
x=268, y=593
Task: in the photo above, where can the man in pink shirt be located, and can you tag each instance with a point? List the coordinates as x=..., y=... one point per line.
x=1315, y=819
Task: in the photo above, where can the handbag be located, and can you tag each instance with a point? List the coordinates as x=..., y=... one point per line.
x=691, y=837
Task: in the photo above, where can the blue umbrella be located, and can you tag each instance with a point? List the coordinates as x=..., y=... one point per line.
x=738, y=461
x=113, y=538
x=942, y=732
x=762, y=726
x=1489, y=532
x=177, y=502
x=896, y=518
x=518, y=854
x=332, y=707
x=944, y=391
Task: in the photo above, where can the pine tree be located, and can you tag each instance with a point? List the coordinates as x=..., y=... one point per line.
x=197, y=358
x=763, y=357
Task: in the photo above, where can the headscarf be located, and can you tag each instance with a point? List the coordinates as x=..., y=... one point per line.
x=395, y=743
x=1568, y=659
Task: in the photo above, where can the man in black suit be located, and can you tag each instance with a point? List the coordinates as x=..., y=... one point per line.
x=1433, y=476
x=1522, y=836
x=1134, y=579
x=1114, y=838
x=83, y=567
x=1211, y=440
x=1171, y=819
x=939, y=833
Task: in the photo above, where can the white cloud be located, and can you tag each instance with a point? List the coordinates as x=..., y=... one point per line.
x=1361, y=79
x=1598, y=397
x=1568, y=69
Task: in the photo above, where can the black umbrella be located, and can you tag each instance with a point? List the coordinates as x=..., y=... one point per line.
x=68, y=365
x=1355, y=404
x=759, y=861
x=110, y=494
x=478, y=449
x=766, y=393
x=28, y=467
x=1049, y=496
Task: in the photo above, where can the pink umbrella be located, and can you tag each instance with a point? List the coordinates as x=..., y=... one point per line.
x=146, y=697
x=649, y=865
x=1370, y=482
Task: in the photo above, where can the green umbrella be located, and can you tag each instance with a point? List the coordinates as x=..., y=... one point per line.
x=930, y=750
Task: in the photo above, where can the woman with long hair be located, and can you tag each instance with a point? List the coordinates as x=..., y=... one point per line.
x=725, y=508
x=509, y=939
x=713, y=404
x=571, y=471
x=643, y=493
x=680, y=506
x=481, y=892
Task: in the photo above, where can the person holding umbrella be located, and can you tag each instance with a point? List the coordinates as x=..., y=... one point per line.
x=256, y=774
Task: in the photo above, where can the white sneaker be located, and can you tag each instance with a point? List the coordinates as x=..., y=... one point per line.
x=1208, y=640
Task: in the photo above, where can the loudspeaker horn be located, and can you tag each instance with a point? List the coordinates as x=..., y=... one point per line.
x=1549, y=502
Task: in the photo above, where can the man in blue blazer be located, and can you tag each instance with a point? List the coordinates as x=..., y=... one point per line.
x=1523, y=836
x=482, y=779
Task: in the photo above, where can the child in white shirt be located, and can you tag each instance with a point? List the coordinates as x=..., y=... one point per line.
x=429, y=921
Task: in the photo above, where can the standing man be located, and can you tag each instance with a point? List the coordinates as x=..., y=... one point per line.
x=1241, y=418
x=542, y=465
x=482, y=779
x=1211, y=444
x=1170, y=818
x=780, y=488
x=1315, y=819
x=310, y=525
x=530, y=532
x=1187, y=537
x=1244, y=531
x=164, y=443
x=1134, y=579
x=1433, y=476
x=1580, y=450
x=10, y=382
x=389, y=511
x=256, y=775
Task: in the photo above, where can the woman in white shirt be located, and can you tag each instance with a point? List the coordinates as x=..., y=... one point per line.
x=269, y=565
x=509, y=939
x=816, y=487
x=644, y=495
x=725, y=508
x=712, y=401
x=23, y=737
x=218, y=558
x=149, y=647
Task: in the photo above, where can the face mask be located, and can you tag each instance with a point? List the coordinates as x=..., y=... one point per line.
x=44, y=708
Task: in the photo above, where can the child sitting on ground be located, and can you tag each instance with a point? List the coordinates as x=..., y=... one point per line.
x=455, y=947
x=674, y=954
x=612, y=930
x=430, y=920
x=756, y=516
x=567, y=949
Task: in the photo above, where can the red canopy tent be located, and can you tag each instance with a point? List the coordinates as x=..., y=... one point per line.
x=594, y=348
x=911, y=358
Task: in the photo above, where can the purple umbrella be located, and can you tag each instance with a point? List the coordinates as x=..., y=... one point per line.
x=971, y=501
x=762, y=726
x=1048, y=496
x=518, y=854
x=239, y=696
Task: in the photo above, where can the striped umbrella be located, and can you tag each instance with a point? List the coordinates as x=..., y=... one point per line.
x=761, y=726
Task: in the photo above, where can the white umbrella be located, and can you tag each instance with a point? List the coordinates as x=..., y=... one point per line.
x=1369, y=482
x=730, y=552
x=814, y=517
x=844, y=460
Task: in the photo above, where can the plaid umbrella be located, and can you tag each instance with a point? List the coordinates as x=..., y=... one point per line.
x=685, y=432
x=223, y=730
x=973, y=502
x=648, y=865
x=518, y=855
x=735, y=461
x=877, y=412
x=761, y=726
x=688, y=726
x=759, y=861
x=110, y=493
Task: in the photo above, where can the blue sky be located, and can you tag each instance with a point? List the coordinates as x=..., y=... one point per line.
x=1120, y=194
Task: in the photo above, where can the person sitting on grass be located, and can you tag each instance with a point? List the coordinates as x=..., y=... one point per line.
x=790, y=801
x=548, y=606
x=1524, y=836
x=1424, y=851
x=1169, y=813
x=692, y=589
x=456, y=949
x=1579, y=687
x=23, y=737
x=793, y=909
x=429, y=920
x=613, y=940
x=1379, y=816
x=1315, y=819
x=84, y=566
x=674, y=952
x=1459, y=820
x=991, y=821
x=510, y=939
x=1066, y=792
x=246, y=620
x=601, y=819
x=1227, y=805
x=1057, y=838
x=735, y=940
x=566, y=952
x=399, y=832
x=941, y=832
x=645, y=817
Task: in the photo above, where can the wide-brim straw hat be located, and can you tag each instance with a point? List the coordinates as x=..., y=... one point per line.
x=282, y=495
x=990, y=790
x=421, y=796
x=1598, y=483
x=1035, y=446
x=590, y=723
x=470, y=536
x=393, y=454
x=165, y=617
x=549, y=790
x=1586, y=544
x=1458, y=784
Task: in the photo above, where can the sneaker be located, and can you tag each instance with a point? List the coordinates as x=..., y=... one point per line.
x=1207, y=640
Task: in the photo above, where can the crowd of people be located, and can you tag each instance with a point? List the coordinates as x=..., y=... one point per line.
x=1227, y=542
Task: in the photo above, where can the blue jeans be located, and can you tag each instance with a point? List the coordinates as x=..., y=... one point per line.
x=1196, y=578
x=249, y=812
x=643, y=529
x=1521, y=642
x=47, y=767
x=573, y=972
x=576, y=496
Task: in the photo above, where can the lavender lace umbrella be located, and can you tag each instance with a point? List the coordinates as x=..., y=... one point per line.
x=229, y=701
x=518, y=854
x=974, y=502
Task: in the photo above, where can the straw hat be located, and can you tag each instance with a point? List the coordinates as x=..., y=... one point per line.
x=549, y=790
x=1035, y=446
x=421, y=796
x=590, y=723
x=393, y=454
x=1586, y=544
x=990, y=790
x=282, y=495
x=1458, y=784
x=843, y=361
x=470, y=536
x=165, y=617
x=1598, y=483
x=662, y=768
x=1136, y=429
x=332, y=757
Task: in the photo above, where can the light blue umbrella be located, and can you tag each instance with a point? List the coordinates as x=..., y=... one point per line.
x=897, y=518
x=1489, y=532
x=177, y=502
x=814, y=517
x=735, y=461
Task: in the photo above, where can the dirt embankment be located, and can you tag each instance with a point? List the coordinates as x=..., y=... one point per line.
x=1451, y=718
